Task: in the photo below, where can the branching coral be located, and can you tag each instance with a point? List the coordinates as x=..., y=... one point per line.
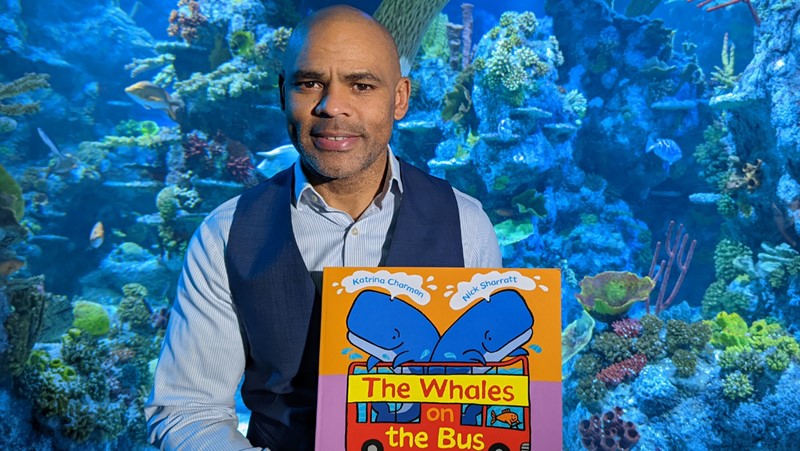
x=622, y=371
x=26, y=83
x=186, y=20
x=727, y=4
x=676, y=253
x=724, y=76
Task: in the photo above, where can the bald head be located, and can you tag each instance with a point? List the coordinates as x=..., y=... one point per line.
x=347, y=19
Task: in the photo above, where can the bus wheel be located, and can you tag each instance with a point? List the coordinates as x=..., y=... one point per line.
x=374, y=445
x=499, y=447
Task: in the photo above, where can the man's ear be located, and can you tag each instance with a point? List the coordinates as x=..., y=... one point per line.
x=401, y=96
x=281, y=89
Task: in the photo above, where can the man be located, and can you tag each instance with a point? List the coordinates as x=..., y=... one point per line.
x=248, y=298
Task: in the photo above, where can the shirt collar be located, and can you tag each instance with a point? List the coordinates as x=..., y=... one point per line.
x=306, y=195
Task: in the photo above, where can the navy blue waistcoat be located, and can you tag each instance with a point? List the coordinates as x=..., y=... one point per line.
x=279, y=308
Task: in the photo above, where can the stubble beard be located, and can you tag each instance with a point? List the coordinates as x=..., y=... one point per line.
x=326, y=166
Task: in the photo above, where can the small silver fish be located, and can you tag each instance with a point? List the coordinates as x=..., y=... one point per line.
x=666, y=149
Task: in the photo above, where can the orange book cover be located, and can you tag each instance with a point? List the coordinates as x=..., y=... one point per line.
x=440, y=359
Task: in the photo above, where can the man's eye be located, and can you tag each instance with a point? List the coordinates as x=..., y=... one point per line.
x=308, y=84
x=362, y=87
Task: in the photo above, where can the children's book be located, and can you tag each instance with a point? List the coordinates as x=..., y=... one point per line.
x=440, y=359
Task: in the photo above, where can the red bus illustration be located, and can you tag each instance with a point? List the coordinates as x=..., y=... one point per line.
x=439, y=406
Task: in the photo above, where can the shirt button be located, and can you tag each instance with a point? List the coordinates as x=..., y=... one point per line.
x=354, y=231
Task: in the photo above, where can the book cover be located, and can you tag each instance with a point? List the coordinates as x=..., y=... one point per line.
x=440, y=359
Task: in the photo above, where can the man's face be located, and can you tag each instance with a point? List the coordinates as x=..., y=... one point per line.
x=342, y=94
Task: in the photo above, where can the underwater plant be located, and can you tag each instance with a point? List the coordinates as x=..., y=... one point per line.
x=11, y=195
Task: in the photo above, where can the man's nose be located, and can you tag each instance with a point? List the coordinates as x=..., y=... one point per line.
x=335, y=101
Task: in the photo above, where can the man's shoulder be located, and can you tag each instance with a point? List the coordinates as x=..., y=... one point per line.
x=222, y=216
x=467, y=203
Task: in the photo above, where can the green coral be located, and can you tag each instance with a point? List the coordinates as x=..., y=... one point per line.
x=612, y=347
x=228, y=81
x=724, y=76
x=712, y=155
x=609, y=295
x=651, y=324
x=685, y=362
x=91, y=317
x=777, y=360
x=512, y=65
x=726, y=206
x=737, y=386
x=687, y=336
x=590, y=392
x=588, y=364
x=728, y=329
x=133, y=309
x=242, y=43
x=717, y=298
x=651, y=346
x=724, y=255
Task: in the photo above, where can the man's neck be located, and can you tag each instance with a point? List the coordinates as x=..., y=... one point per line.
x=353, y=195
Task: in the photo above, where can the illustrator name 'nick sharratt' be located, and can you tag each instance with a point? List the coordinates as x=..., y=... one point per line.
x=390, y=282
x=488, y=283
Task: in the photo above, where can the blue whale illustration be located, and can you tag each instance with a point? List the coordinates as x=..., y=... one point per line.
x=390, y=330
x=489, y=331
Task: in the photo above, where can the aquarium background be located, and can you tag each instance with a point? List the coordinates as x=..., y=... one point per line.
x=648, y=149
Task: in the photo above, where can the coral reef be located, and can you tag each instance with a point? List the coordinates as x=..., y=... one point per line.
x=14, y=88
x=608, y=432
x=609, y=295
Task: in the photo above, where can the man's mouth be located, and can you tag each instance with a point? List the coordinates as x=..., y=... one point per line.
x=324, y=141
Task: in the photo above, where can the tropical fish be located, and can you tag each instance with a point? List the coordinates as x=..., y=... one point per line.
x=96, y=236
x=277, y=159
x=64, y=162
x=666, y=149
x=155, y=97
x=506, y=416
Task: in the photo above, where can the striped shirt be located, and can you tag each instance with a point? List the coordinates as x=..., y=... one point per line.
x=201, y=364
